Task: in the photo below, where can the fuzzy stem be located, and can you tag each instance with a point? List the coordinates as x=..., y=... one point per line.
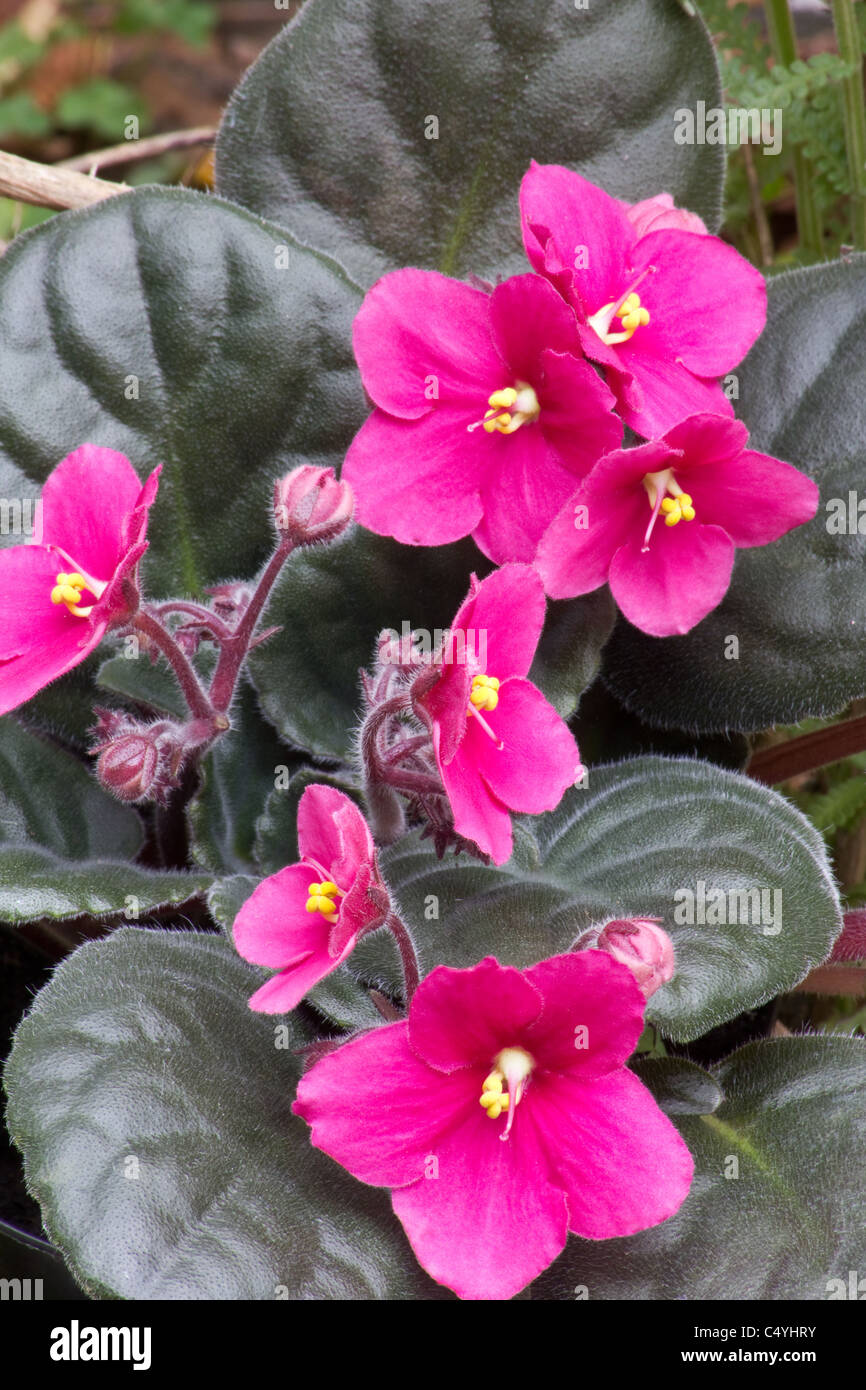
x=408, y=954
x=194, y=694
x=236, y=646
x=203, y=616
x=848, y=39
x=784, y=45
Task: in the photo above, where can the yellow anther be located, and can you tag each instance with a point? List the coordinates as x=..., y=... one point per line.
x=494, y=1099
x=494, y=1082
x=510, y=407
x=484, y=693
x=67, y=589
x=321, y=898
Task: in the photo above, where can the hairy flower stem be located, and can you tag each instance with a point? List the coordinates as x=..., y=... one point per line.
x=203, y=617
x=236, y=645
x=408, y=954
x=848, y=39
x=784, y=44
x=194, y=693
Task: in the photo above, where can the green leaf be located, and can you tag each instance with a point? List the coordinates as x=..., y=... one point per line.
x=52, y=800
x=393, y=132
x=153, y=1109
x=776, y=1206
x=162, y=324
x=35, y=883
x=639, y=840
x=101, y=105
x=797, y=607
x=333, y=602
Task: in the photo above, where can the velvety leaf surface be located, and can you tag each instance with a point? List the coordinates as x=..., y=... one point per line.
x=395, y=132
x=796, y=608
x=178, y=329
x=776, y=1206
x=651, y=837
x=153, y=1109
x=35, y=883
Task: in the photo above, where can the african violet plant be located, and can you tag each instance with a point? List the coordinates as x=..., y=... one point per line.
x=392, y=992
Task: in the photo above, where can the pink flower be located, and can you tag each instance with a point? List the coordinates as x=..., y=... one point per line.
x=311, y=505
x=305, y=920
x=665, y=309
x=484, y=417
x=72, y=586
x=503, y=1115
x=660, y=522
x=641, y=944
x=499, y=745
x=659, y=214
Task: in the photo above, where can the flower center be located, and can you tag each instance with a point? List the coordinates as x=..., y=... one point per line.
x=509, y=409
x=667, y=498
x=628, y=309
x=321, y=898
x=67, y=589
x=484, y=695
x=511, y=1068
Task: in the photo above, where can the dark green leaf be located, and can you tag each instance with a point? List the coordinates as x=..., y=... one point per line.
x=395, y=132
x=797, y=608
x=153, y=1109
x=776, y=1206
x=35, y=883
x=634, y=842
x=52, y=800
x=162, y=323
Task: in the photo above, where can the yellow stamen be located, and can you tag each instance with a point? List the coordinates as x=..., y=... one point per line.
x=628, y=309
x=67, y=589
x=666, y=498
x=510, y=408
x=321, y=898
x=485, y=692
x=512, y=1068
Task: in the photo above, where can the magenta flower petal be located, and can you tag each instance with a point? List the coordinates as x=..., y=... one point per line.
x=85, y=502
x=478, y=814
x=671, y=586
x=579, y=1029
x=585, y=225
x=538, y=752
x=659, y=213
x=497, y=1130
x=690, y=315
x=779, y=498
x=609, y=507
x=462, y=1018
x=287, y=922
x=332, y=830
x=517, y=1217
x=417, y=324
x=418, y=481
x=371, y=1107
x=622, y=1163
x=273, y=926
x=538, y=758
x=663, y=309
x=94, y=519
x=39, y=641
x=486, y=414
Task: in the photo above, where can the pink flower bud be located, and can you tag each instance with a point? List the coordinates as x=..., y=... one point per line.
x=659, y=214
x=642, y=945
x=310, y=505
x=128, y=766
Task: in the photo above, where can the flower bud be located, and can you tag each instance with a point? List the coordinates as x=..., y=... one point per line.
x=641, y=944
x=659, y=214
x=310, y=505
x=128, y=766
